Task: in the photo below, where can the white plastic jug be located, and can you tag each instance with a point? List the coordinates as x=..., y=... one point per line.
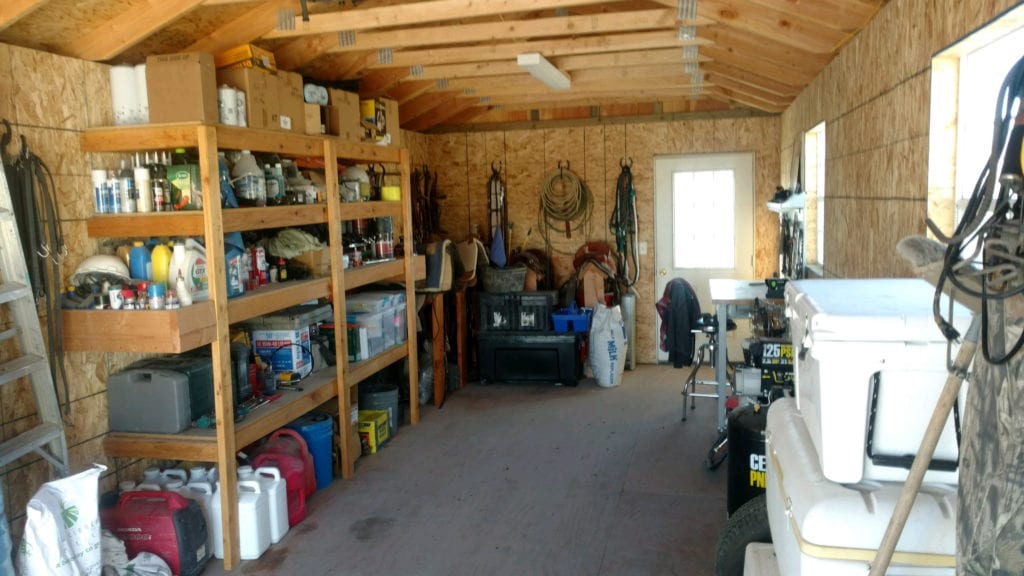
x=253, y=520
x=273, y=485
x=250, y=182
x=202, y=492
x=197, y=474
x=174, y=474
x=153, y=476
x=216, y=530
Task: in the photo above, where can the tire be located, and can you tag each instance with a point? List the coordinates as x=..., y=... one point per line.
x=747, y=525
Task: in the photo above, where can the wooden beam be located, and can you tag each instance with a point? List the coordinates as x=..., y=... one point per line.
x=301, y=51
x=763, y=66
x=526, y=84
x=406, y=91
x=624, y=58
x=243, y=29
x=746, y=90
x=377, y=82
x=756, y=80
x=744, y=100
x=423, y=104
x=590, y=98
x=846, y=16
x=137, y=22
x=632, y=75
x=438, y=115
x=417, y=13
x=13, y=10
x=550, y=48
x=751, y=46
x=467, y=115
x=772, y=25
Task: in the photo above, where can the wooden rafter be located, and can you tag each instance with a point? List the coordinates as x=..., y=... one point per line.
x=747, y=90
x=243, y=29
x=377, y=82
x=772, y=25
x=423, y=104
x=136, y=23
x=763, y=66
x=751, y=79
x=438, y=115
x=13, y=10
x=406, y=91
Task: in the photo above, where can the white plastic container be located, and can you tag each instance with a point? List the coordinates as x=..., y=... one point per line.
x=253, y=520
x=249, y=181
x=152, y=476
x=174, y=474
x=273, y=485
x=759, y=560
x=851, y=336
x=202, y=492
x=216, y=529
x=197, y=474
x=820, y=527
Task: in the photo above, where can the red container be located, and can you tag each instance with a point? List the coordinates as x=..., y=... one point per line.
x=293, y=470
x=163, y=523
x=288, y=441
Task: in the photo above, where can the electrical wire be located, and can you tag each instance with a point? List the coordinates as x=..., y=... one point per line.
x=993, y=223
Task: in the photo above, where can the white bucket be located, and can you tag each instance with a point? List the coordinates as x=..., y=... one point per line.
x=253, y=520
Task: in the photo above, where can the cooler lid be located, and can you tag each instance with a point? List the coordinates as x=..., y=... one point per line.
x=872, y=310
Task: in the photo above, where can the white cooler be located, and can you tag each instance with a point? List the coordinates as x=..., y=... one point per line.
x=853, y=337
x=822, y=528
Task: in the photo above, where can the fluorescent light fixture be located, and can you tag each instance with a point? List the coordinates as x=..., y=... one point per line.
x=539, y=67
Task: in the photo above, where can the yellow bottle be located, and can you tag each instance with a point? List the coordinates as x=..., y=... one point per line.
x=161, y=258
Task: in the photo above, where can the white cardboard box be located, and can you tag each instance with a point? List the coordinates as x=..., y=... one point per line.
x=823, y=528
x=850, y=336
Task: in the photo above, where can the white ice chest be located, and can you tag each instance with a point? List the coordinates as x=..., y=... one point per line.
x=850, y=336
x=823, y=528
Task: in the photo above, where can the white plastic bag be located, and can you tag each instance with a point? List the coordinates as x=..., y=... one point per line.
x=607, y=345
x=62, y=528
x=116, y=562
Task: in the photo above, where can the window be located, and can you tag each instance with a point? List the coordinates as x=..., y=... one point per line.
x=704, y=203
x=965, y=83
x=814, y=187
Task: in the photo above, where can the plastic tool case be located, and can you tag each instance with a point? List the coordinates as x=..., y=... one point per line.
x=529, y=357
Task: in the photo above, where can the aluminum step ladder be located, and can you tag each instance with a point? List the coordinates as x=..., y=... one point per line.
x=47, y=437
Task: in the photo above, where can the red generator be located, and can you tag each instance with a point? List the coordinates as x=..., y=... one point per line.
x=164, y=523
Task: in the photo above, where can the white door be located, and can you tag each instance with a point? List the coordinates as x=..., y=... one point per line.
x=704, y=223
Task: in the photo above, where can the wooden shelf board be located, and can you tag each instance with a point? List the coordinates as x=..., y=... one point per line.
x=358, y=210
x=274, y=297
x=370, y=273
x=152, y=331
x=184, y=223
x=286, y=143
x=140, y=137
x=367, y=152
x=239, y=219
x=193, y=444
x=316, y=389
x=359, y=371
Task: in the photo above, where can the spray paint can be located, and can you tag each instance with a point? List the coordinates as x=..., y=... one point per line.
x=114, y=189
x=100, y=192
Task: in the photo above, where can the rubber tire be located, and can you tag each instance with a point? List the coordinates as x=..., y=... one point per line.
x=748, y=524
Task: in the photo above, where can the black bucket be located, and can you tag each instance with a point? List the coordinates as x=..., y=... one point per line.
x=748, y=462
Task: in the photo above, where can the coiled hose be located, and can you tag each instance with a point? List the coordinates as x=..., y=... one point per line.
x=563, y=197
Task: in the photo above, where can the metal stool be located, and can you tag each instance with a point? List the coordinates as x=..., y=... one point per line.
x=706, y=355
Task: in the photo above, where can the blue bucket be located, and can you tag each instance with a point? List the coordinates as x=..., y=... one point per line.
x=317, y=428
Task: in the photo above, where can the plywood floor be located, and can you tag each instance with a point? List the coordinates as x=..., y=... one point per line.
x=522, y=480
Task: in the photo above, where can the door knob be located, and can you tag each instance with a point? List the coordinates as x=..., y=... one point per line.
x=663, y=272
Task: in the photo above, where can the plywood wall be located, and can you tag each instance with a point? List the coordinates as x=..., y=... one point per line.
x=874, y=98
x=463, y=162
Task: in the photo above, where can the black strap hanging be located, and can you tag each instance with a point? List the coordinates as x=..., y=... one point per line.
x=623, y=224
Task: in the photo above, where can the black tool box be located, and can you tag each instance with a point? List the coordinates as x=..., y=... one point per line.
x=529, y=357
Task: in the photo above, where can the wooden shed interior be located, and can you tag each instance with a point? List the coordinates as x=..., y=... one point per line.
x=649, y=78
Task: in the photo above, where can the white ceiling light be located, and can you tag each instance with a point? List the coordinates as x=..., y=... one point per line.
x=539, y=67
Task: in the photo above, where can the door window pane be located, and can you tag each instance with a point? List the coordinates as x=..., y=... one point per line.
x=703, y=220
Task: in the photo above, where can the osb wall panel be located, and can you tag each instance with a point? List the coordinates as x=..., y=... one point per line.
x=594, y=154
x=49, y=100
x=874, y=98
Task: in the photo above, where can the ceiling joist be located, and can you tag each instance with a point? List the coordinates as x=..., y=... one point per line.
x=13, y=10
x=242, y=30
x=140, y=21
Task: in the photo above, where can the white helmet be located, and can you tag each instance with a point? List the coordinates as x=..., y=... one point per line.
x=100, y=268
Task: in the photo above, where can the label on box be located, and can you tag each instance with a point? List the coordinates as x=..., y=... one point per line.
x=283, y=350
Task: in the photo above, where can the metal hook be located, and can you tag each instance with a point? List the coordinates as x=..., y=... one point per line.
x=501, y=166
x=43, y=251
x=626, y=162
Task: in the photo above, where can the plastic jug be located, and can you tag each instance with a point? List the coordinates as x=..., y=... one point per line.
x=253, y=520
x=202, y=492
x=234, y=264
x=197, y=474
x=174, y=474
x=227, y=191
x=250, y=182
x=153, y=477
x=161, y=261
x=274, y=486
x=216, y=519
x=195, y=263
x=288, y=441
x=293, y=473
x=139, y=263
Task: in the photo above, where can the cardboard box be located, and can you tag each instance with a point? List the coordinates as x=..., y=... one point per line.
x=373, y=429
x=343, y=115
x=260, y=89
x=314, y=118
x=245, y=56
x=318, y=262
x=379, y=118
x=182, y=88
x=283, y=339
x=291, y=115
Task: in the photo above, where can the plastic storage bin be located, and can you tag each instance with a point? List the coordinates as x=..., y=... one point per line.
x=517, y=311
x=822, y=527
x=529, y=357
x=870, y=364
x=572, y=320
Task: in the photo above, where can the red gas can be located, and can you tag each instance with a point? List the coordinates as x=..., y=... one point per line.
x=163, y=523
x=288, y=441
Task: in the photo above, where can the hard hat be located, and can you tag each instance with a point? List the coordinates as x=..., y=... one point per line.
x=353, y=180
x=99, y=268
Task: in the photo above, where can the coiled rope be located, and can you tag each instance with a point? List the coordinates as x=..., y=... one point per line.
x=565, y=204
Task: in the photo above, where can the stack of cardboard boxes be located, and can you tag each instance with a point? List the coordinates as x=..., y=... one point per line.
x=183, y=88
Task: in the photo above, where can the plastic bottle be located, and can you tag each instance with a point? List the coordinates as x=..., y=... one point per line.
x=235, y=264
x=139, y=263
x=277, y=501
x=227, y=191
x=178, y=264
x=116, y=198
x=273, y=187
x=158, y=175
x=282, y=270
x=152, y=475
x=197, y=474
x=143, y=184
x=160, y=258
x=183, y=291
x=127, y=180
x=250, y=181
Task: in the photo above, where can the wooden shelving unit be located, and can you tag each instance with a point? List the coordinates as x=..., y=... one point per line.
x=172, y=331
